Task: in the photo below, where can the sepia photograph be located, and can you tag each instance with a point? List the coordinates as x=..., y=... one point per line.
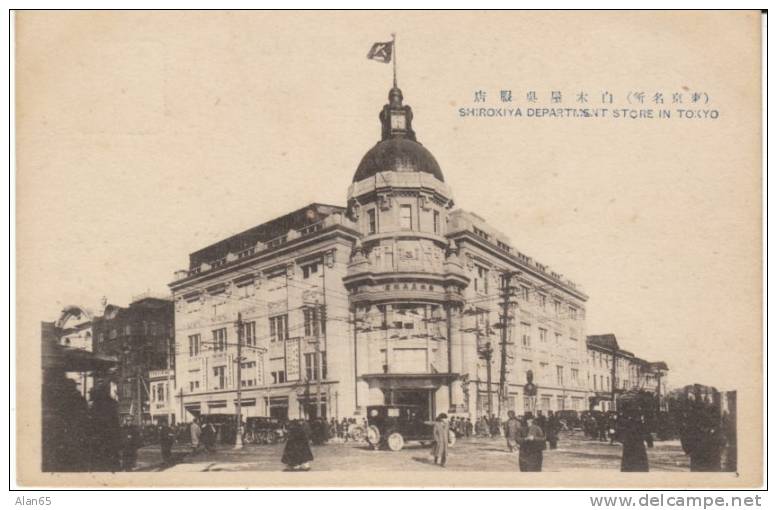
x=388, y=249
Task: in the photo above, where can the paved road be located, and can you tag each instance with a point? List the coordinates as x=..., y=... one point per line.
x=478, y=454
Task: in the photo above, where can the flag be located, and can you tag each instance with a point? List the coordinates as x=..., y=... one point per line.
x=381, y=51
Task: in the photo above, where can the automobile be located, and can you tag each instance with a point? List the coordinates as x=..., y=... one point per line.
x=391, y=426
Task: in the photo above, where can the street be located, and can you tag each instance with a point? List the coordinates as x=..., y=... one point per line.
x=475, y=454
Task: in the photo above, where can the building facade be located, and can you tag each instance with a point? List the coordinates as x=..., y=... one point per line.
x=612, y=370
x=140, y=337
x=395, y=298
x=74, y=330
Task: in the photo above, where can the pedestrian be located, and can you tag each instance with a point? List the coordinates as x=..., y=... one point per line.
x=440, y=434
x=532, y=442
x=633, y=433
x=209, y=434
x=106, y=433
x=195, y=432
x=512, y=431
x=702, y=438
x=166, y=440
x=612, y=425
x=552, y=429
x=130, y=442
x=468, y=427
x=296, y=454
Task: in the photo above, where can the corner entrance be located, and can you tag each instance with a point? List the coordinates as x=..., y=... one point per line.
x=422, y=398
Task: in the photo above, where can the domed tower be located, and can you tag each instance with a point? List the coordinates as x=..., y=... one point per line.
x=404, y=280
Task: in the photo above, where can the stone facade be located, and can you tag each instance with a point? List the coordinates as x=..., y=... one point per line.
x=412, y=297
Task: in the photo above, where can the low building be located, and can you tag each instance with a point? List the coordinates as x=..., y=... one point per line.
x=613, y=370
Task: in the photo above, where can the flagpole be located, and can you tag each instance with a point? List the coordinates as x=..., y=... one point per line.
x=394, y=48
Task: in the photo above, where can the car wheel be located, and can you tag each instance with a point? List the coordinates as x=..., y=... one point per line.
x=373, y=436
x=451, y=438
x=395, y=441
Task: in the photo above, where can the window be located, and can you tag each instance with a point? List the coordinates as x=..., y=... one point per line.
x=194, y=385
x=558, y=338
x=278, y=377
x=311, y=366
x=406, y=217
x=560, y=403
x=543, y=335
x=481, y=281
x=524, y=292
x=560, y=375
x=525, y=334
x=575, y=376
x=250, y=366
x=313, y=323
x=573, y=313
x=309, y=270
x=543, y=375
x=245, y=289
x=543, y=301
x=372, y=221
x=436, y=221
x=218, y=374
x=194, y=345
x=220, y=339
x=279, y=329
x=608, y=382
x=249, y=333
x=557, y=307
x=589, y=376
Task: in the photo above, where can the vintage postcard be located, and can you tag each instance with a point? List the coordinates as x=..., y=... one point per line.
x=389, y=248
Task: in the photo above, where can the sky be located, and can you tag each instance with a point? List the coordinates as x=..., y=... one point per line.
x=145, y=136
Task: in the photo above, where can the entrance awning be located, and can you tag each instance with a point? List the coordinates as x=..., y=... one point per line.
x=416, y=381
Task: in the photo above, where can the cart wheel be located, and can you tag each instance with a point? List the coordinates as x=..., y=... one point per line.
x=451, y=438
x=395, y=441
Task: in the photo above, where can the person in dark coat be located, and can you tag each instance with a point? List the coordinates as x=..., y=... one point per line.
x=166, y=440
x=130, y=442
x=296, y=454
x=702, y=439
x=208, y=436
x=633, y=433
x=106, y=431
x=552, y=429
x=532, y=442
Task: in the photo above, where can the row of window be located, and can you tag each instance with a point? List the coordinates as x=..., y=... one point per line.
x=480, y=284
x=313, y=325
x=405, y=219
x=315, y=368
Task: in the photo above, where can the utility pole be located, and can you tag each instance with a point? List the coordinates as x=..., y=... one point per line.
x=612, y=376
x=239, y=417
x=169, y=387
x=505, y=323
x=486, y=353
x=318, y=325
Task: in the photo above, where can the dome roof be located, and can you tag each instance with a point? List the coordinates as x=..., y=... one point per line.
x=397, y=154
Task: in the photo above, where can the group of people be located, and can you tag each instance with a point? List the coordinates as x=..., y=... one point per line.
x=347, y=429
x=461, y=426
x=599, y=426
